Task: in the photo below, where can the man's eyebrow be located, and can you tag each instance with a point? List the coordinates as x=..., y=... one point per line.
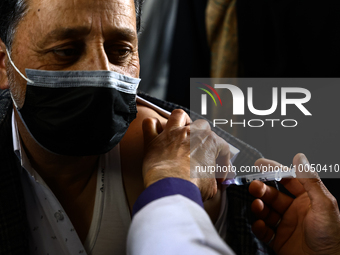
x=63, y=33
x=121, y=33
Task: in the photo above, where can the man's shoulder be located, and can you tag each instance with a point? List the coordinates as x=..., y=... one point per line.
x=146, y=112
x=12, y=204
x=5, y=104
x=132, y=144
x=134, y=135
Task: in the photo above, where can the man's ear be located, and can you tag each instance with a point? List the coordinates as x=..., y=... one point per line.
x=3, y=59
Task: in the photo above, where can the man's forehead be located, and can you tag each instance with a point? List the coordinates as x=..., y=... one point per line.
x=65, y=12
x=118, y=6
x=47, y=17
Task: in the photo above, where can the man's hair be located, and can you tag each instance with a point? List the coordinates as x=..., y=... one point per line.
x=12, y=11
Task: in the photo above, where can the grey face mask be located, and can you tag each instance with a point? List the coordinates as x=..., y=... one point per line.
x=78, y=113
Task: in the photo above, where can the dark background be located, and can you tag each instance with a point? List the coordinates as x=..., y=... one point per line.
x=277, y=38
x=295, y=38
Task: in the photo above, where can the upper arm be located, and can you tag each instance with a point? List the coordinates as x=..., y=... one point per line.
x=134, y=134
x=132, y=153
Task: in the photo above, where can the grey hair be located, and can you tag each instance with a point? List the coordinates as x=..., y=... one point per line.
x=12, y=11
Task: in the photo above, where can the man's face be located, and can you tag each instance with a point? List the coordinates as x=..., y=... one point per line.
x=75, y=35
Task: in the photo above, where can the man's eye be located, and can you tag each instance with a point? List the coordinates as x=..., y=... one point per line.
x=118, y=52
x=71, y=52
x=118, y=55
x=123, y=52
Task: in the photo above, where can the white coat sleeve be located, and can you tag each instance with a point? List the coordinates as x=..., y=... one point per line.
x=168, y=218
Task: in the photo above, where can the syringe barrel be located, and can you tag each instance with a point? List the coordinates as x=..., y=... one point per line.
x=266, y=176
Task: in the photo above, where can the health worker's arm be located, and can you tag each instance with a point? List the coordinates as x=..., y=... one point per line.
x=169, y=218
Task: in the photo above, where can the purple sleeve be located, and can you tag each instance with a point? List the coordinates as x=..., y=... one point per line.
x=168, y=187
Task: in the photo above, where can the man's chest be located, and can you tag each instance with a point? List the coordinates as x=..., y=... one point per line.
x=99, y=224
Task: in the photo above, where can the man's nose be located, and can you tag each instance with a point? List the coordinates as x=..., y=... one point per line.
x=95, y=59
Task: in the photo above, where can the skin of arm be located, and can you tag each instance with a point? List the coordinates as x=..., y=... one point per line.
x=132, y=147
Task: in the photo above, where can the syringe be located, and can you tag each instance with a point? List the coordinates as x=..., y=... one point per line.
x=276, y=175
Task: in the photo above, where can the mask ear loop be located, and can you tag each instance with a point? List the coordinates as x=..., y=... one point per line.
x=28, y=80
x=23, y=76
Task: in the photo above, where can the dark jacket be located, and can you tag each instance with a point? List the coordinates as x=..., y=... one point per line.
x=13, y=223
